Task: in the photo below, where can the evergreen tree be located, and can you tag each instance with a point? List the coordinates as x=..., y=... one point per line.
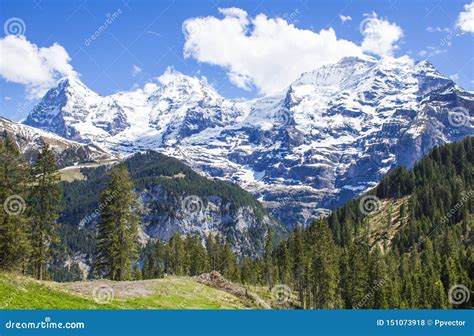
x=117, y=240
x=45, y=207
x=324, y=266
x=15, y=245
x=268, y=259
x=378, y=279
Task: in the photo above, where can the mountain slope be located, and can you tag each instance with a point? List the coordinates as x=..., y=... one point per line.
x=407, y=244
x=175, y=199
x=145, y=118
x=29, y=141
x=330, y=136
x=19, y=292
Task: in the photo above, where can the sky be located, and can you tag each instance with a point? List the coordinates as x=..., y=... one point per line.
x=244, y=49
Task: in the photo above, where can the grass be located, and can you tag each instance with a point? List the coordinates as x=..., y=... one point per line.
x=72, y=174
x=185, y=293
x=382, y=232
x=19, y=292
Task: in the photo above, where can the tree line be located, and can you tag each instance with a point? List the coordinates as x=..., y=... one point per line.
x=329, y=264
x=333, y=264
x=30, y=201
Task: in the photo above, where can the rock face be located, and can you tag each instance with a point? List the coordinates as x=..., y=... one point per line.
x=175, y=199
x=167, y=213
x=329, y=137
x=29, y=141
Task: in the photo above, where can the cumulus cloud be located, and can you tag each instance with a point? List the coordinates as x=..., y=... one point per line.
x=262, y=52
x=37, y=68
x=380, y=36
x=345, y=18
x=466, y=19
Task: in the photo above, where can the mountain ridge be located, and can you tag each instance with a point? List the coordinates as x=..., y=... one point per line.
x=329, y=137
x=175, y=200
x=68, y=153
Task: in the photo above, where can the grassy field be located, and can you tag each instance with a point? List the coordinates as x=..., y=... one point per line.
x=19, y=292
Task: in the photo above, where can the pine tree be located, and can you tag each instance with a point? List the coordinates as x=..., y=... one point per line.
x=45, y=206
x=378, y=279
x=117, y=231
x=15, y=245
x=297, y=251
x=268, y=259
x=358, y=275
x=177, y=255
x=324, y=266
x=284, y=263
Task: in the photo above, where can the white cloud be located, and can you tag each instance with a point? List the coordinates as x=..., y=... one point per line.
x=263, y=52
x=422, y=53
x=345, y=18
x=380, y=36
x=466, y=19
x=431, y=51
x=37, y=68
x=7, y=98
x=136, y=70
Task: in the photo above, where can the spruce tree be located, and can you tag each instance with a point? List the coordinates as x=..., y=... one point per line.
x=45, y=207
x=15, y=245
x=324, y=266
x=117, y=231
x=268, y=259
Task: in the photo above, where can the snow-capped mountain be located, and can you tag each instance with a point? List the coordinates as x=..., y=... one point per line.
x=29, y=141
x=151, y=117
x=330, y=136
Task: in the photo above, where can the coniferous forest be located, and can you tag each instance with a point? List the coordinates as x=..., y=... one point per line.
x=405, y=244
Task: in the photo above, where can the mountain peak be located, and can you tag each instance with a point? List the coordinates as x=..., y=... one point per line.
x=176, y=78
x=357, y=59
x=176, y=85
x=72, y=85
x=424, y=64
x=426, y=68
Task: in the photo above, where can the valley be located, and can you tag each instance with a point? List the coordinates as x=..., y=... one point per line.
x=359, y=173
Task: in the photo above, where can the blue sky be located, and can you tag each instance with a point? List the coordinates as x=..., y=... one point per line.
x=143, y=38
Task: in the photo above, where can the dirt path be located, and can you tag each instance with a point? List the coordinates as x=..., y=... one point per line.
x=121, y=289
